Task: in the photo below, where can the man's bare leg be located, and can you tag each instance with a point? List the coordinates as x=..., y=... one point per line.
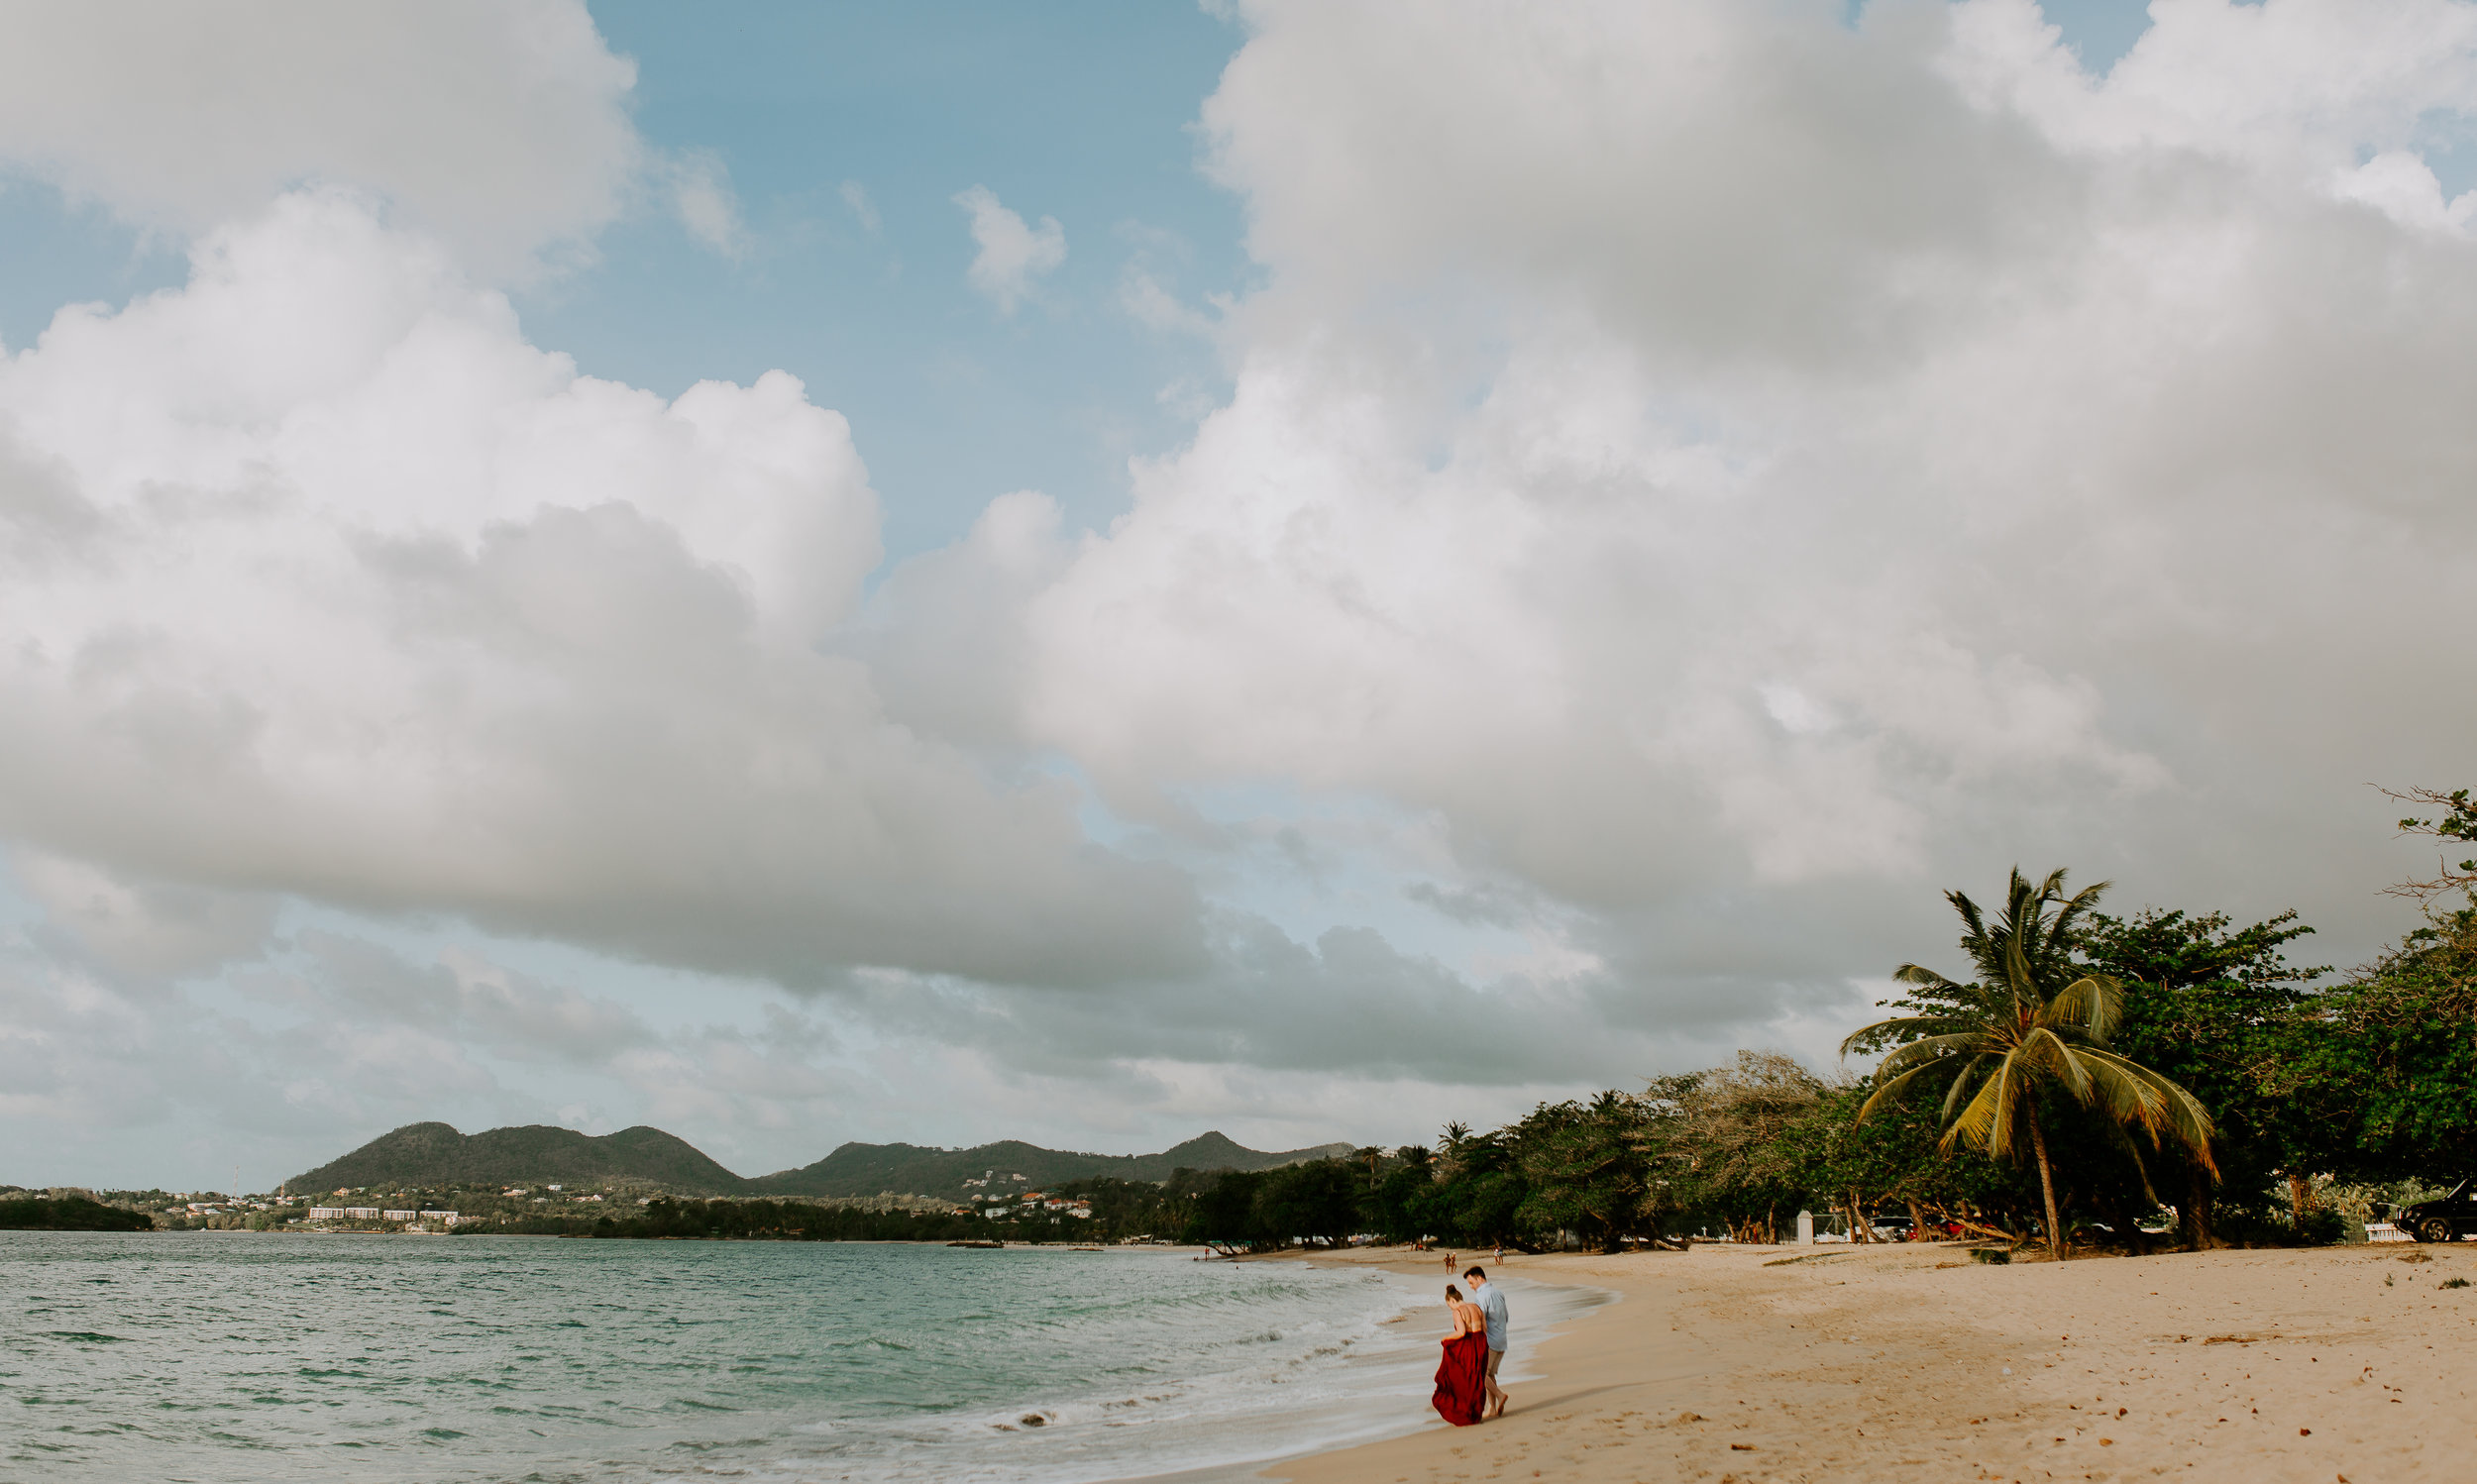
x=1496, y=1397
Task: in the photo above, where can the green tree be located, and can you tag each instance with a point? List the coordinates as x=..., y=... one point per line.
x=2389, y=1060
x=1315, y=1201
x=1724, y=1139
x=1394, y=1206
x=1479, y=1190
x=1589, y=1171
x=1225, y=1211
x=2032, y=1023
x=2218, y=1010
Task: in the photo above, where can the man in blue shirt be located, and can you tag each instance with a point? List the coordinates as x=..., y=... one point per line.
x=1491, y=1302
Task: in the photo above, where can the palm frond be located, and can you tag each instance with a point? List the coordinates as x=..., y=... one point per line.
x=1988, y=1122
x=2165, y=1109
x=2049, y=1052
x=1932, y=1049
x=1970, y=918
x=2061, y=934
x=1970, y=1074
x=2093, y=1002
x=1901, y=1029
x=1891, y=1088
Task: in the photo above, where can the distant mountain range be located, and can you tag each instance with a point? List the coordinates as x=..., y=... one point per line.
x=430, y=1154
x=907, y=1169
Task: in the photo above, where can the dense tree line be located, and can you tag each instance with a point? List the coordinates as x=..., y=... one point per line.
x=745, y=1220
x=1122, y=1209
x=31, y=1213
x=2092, y=1075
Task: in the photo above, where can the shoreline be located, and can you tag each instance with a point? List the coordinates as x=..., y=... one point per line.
x=1413, y=1416
x=1743, y=1363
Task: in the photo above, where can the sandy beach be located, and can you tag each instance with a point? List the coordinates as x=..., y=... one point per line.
x=1740, y=1364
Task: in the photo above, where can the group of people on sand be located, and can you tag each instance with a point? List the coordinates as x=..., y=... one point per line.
x=1466, y=1389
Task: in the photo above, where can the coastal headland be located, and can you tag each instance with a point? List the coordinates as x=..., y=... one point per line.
x=1747, y=1364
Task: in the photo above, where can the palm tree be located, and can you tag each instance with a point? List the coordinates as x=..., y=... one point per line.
x=2031, y=1020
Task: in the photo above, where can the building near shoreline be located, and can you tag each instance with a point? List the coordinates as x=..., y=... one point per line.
x=379, y=1213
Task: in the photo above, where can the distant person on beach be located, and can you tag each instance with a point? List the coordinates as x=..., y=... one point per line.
x=1463, y=1374
x=1491, y=1301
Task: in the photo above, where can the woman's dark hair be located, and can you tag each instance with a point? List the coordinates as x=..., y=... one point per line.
x=1452, y=1292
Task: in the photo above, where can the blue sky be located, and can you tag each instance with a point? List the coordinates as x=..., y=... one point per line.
x=1080, y=112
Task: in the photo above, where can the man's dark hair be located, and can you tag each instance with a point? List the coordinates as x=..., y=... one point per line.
x=1475, y=1271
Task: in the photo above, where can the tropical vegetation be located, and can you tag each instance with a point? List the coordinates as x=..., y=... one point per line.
x=2033, y=1027
x=2107, y=1081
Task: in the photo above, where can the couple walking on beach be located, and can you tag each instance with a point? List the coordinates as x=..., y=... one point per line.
x=1466, y=1389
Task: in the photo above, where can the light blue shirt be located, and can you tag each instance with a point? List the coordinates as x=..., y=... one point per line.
x=1491, y=1301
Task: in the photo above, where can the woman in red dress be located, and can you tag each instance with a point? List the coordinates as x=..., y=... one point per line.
x=1461, y=1377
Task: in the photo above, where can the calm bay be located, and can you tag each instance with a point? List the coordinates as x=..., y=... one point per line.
x=219, y=1356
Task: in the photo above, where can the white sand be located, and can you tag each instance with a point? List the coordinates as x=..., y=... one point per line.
x=1733, y=1365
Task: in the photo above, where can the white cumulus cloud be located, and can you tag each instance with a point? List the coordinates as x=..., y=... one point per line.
x=1725, y=462
x=501, y=128
x=321, y=580
x=1011, y=253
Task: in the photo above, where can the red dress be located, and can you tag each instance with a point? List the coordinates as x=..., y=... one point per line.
x=1461, y=1384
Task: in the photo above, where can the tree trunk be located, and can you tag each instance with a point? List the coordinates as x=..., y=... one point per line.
x=2047, y=1185
x=2194, y=1214
x=1918, y=1222
x=2300, y=1198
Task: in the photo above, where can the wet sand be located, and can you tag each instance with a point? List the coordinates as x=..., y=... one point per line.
x=1740, y=1364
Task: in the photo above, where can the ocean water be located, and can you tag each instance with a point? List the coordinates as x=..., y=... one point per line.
x=227, y=1357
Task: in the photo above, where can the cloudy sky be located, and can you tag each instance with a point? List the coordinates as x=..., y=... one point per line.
x=959, y=571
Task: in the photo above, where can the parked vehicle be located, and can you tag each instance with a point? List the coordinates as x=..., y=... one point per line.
x=2446, y=1219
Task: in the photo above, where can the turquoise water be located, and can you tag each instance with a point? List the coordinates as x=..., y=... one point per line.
x=221, y=1356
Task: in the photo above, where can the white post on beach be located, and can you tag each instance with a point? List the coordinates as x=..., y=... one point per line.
x=1805, y=1229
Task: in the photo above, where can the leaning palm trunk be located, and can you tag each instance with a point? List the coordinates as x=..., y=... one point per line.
x=2047, y=1187
x=2030, y=1023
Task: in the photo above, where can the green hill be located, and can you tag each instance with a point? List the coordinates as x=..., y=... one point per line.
x=870, y=1169
x=435, y=1154
x=420, y=1154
